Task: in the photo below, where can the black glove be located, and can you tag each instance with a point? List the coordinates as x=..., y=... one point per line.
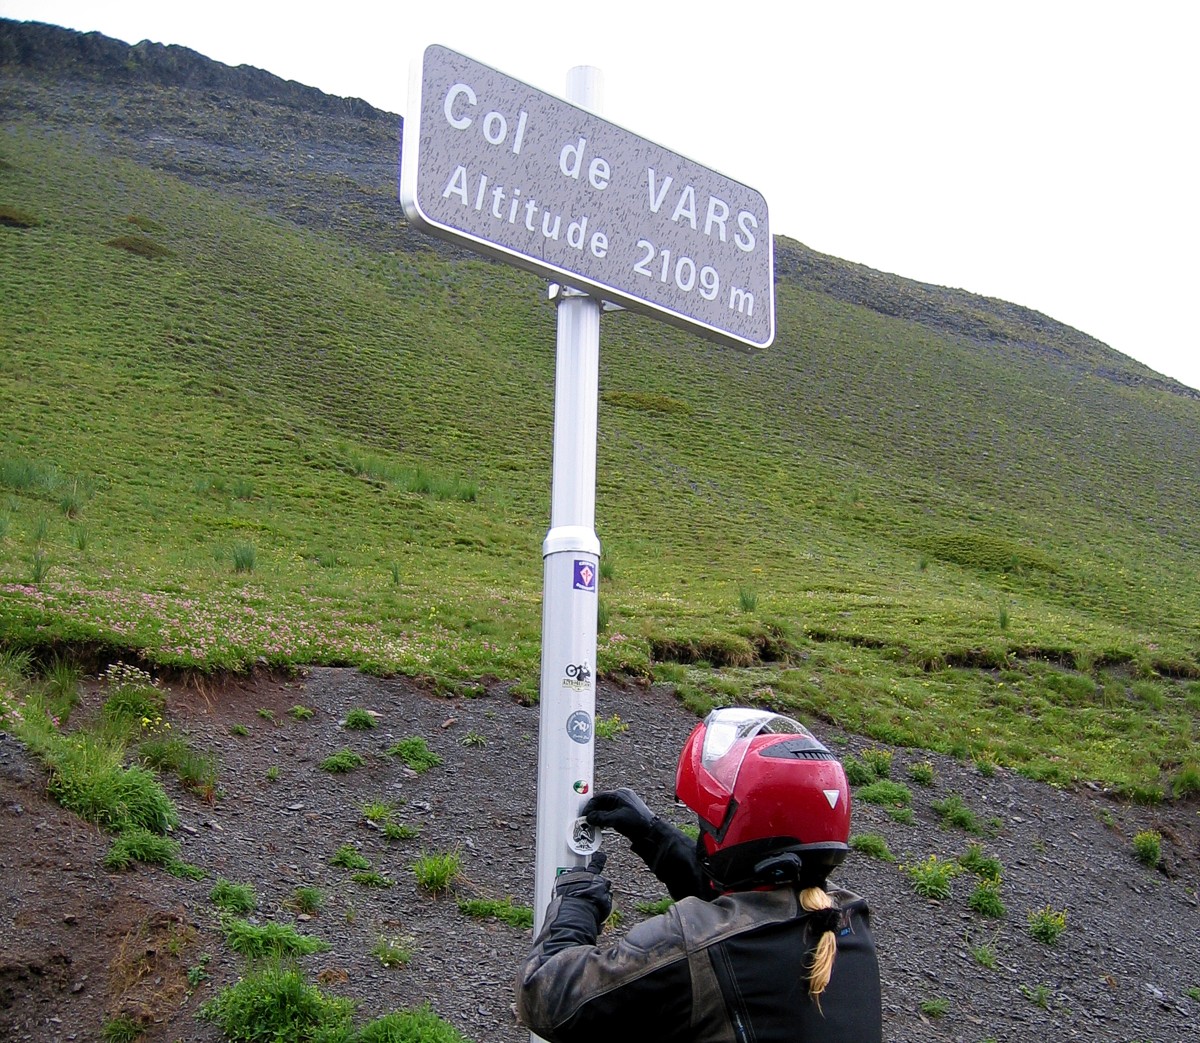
x=584, y=900
x=587, y=883
x=622, y=810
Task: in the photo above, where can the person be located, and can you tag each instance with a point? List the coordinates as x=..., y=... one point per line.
x=757, y=948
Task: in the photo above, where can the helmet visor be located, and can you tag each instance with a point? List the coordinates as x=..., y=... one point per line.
x=727, y=738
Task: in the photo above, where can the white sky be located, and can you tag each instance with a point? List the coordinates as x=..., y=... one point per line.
x=1041, y=152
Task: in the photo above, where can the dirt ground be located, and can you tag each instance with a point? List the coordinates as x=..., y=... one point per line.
x=79, y=944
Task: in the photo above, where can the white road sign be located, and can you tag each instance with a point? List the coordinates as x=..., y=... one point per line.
x=510, y=171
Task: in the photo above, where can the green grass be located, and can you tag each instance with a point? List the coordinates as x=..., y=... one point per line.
x=953, y=811
x=347, y=857
x=984, y=866
x=272, y=1002
x=360, y=720
x=370, y=878
x=140, y=845
x=400, y=831
x=413, y=1025
x=610, y=727
x=122, y=1029
x=879, y=761
x=415, y=752
x=1147, y=847
x=195, y=770
x=986, y=900
x=233, y=898
x=307, y=900
x=437, y=872
x=259, y=941
x=872, y=844
x=935, y=1008
x=377, y=811
x=88, y=777
x=497, y=909
x=393, y=952
x=341, y=762
x=984, y=952
x=922, y=773
x=656, y=908
x=1038, y=995
x=1047, y=923
x=223, y=419
x=932, y=878
x=885, y=792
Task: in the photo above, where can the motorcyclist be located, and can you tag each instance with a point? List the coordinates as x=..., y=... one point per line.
x=756, y=949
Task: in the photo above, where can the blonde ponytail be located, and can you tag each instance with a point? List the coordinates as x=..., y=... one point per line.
x=821, y=968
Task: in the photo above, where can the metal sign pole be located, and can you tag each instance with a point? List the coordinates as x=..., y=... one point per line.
x=570, y=578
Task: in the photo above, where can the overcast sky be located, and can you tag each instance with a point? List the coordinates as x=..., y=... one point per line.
x=1043, y=153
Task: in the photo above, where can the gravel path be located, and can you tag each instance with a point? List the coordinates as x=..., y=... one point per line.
x=80, y=943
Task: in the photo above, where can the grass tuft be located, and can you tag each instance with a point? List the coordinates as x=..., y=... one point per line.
x=370, y=878
x=1047, y=924
x=393, y=952
x=140, y=845
x=415, y=752
x=438, y=873
x=272, y=1003
x=341, y=762
x=922, y=773
x=259, y=941
x=233, y=898
x=307, y=900
x=1147, y=847
x=931, y=878
x=347, y=857
x=610, y=727
x=88, y=778
x=400, y=831
x=986, y=867
x=886, y=792
x=360, y=720
x=245, y=557
x=952, y=811
x=872, y=844
x=417, y=1025
x=985, y=899
x=497, y=909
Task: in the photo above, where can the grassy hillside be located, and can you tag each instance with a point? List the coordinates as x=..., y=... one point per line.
x=228, y=439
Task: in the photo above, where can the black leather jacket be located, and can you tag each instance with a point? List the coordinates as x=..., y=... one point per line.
x=731, y=970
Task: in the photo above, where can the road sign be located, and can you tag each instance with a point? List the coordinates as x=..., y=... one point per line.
x=512, y=172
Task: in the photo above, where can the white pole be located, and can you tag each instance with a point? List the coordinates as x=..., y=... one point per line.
x=570, y=579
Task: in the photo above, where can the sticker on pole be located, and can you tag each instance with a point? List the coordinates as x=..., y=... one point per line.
x=584, y=838
x=579, y=727
x=579, y=677
x=585, y=575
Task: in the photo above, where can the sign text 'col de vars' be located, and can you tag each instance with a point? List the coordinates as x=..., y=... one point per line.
x=523, y=175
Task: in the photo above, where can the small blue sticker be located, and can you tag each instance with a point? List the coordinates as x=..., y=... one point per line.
x=585, y=575
x=579, y=726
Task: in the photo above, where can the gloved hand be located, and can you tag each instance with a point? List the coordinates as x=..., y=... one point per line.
x=622, y=810
x=587, y=883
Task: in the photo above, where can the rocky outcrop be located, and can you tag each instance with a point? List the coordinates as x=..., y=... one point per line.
x=53, y=51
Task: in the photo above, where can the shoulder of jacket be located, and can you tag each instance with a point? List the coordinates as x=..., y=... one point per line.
x=846, y=899
x=703, y=922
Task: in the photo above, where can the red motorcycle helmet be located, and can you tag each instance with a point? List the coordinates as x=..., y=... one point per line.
x=773, y=803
